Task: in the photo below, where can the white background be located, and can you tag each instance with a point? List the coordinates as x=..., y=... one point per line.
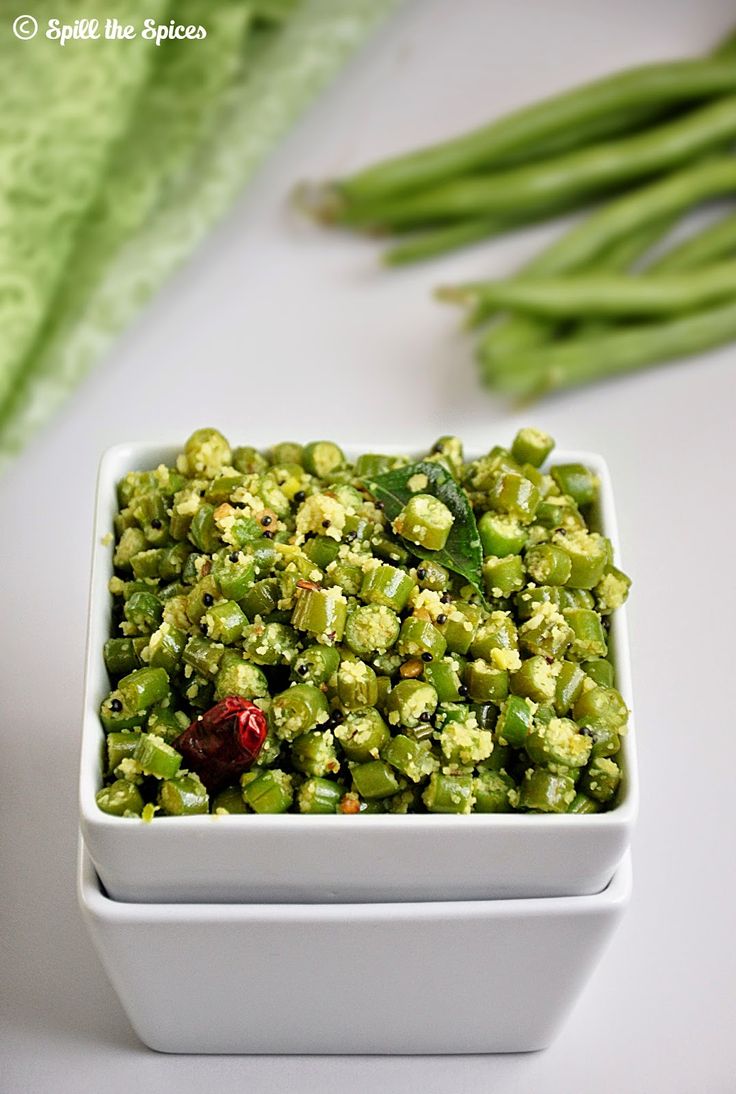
x=279, y=330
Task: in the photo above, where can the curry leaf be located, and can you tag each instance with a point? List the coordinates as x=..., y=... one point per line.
x=462, y=553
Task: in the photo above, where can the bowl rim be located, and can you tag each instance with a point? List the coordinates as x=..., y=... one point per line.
x=119, y=458
x=95, y=903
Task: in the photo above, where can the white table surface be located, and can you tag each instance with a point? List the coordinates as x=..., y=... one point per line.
x=278, y=329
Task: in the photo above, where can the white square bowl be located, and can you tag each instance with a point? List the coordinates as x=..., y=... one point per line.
x=445, y=977
x=299, y=858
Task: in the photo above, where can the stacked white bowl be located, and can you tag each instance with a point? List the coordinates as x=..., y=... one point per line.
x=383, y=933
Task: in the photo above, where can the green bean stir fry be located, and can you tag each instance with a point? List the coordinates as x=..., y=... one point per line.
x=414, y=635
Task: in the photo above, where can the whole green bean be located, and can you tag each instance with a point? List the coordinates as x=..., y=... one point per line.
x=618, y=258
x=524, y=131
x=329, y=205
x=623, y=253
x=562, y=181
x=561, y=365
x=441, y=240
x=588, y=131
x=622, y=256
x=716, y=241
x=581, y=246
x=447, y=237
x=603, y=294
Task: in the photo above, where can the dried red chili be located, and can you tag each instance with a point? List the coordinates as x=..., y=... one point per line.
x=224, y=741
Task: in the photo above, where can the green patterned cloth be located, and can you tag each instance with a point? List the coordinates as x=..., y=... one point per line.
x=116, y=159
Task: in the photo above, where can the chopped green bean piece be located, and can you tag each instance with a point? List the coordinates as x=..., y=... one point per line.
x=362, y=735
x=535, y=680
x=548, y=565
x=600, y=670
x=316, y=664
x=444, y=678
x=570, y=681
x=485, y=683
x=387, y=585
x=576, y=481
x=411, y=758
x=120, y=799
x=224, y=622
x=449, y=793
x=501, y=535
x=581, y=803
x=270, y=643
x=589, y=639
x=600, y=781
x=166, y=647
x=491, y=792
x=120, y=656
x=601, y=706
x=322, y=458
x=183, y=796
x=410, y=703
x=298, y=709
x=271, y=792
x=515, y=721
x=144, y=612
x=229, y=800
x=313, y=753
x=375, y=780
x=514, y=494
x=420, y=638
x=612, y=590
x=157, y=758
x=588, y=554
x=322, y=612
x=546, y=792
x=317, y=795
x=203, y=656
x=531, y=446
x=357, y=686
x=120, y=746
x=426, y=521
x=558, y=742
x=503, y=577
x=144, y=687
x=236, y=676
x=431, y=575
